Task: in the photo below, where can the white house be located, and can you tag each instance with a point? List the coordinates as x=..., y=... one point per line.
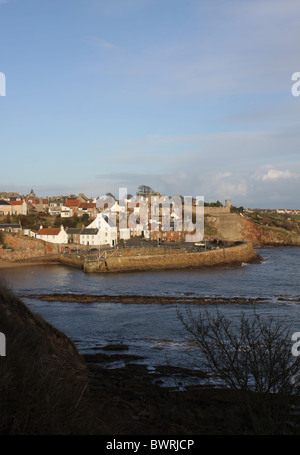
x=107, y=234
x=90, y=236
x=53, y=235
x=54, y=211
x=66, y=212
x=124, y=233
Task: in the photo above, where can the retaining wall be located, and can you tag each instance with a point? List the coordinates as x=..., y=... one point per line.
x=20, y=247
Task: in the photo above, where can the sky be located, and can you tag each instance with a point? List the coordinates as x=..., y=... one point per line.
x=190, y=97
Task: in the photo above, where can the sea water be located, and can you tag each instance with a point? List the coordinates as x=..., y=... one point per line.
x=154, y=331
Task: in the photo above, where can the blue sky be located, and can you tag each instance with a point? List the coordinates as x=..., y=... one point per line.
x=190, y=97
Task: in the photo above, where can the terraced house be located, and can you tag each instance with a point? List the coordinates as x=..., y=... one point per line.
x=19, y=207
x=53, y=235
x=5, y=207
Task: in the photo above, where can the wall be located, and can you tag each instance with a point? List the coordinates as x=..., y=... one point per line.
x=216, y=211
x=177, y=259
x=228, y=226
x=20, y=247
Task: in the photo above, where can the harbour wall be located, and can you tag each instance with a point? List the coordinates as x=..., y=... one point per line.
x=158, y=259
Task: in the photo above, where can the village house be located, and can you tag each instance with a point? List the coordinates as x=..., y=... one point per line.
x=5, y=207
x=38, y=204
x=107, y=234
x=66, y=212
x=74, y=235
x=19, y=207
x=136, y=228
x=89, y=208
x=11, y=227
x=72, y=202
x=56, y=202
x=82, y=198
x=90, y=236
x=53, y=235
x=10, y=196
x=33, y=233
x=54, y=211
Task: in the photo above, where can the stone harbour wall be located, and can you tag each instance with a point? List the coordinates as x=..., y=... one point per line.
x=174, y=259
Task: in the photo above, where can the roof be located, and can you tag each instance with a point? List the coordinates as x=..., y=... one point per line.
x=16, y=202
x=2, y=202
x=73, y=230
x=49, y=231
x=6, y=226
x=109, y=221
x=87, y=205
x=72, y=203
x=89, y=231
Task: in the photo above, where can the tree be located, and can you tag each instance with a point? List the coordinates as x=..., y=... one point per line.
x=85, y=218
x=237, y=209
x=145, y=189
x=110, y=195
x=252, y=357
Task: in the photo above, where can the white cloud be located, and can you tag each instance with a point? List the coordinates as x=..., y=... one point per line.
x=275, y=174
x=269, y=173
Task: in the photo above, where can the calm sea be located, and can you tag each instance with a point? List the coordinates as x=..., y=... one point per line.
x=154, y=331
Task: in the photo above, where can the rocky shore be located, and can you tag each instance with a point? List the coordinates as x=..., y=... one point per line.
x=187, y=298
x=47, y=387
x=137, y=402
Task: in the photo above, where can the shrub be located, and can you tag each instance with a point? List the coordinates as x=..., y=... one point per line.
x=252, y=357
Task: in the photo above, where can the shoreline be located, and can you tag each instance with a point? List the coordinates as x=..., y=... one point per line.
x=60, y=261
x=15, y=264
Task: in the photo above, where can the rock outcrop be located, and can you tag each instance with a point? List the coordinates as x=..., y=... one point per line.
x=235, y=227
